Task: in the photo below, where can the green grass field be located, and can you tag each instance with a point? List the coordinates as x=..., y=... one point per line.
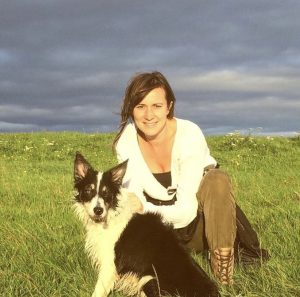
x=42, y=242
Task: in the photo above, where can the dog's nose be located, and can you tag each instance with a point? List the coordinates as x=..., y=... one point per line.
x=98, y=210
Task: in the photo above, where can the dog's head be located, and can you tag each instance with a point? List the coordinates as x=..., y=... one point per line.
x=97, y=192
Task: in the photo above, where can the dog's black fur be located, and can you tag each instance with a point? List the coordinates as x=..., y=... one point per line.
x=146, y=246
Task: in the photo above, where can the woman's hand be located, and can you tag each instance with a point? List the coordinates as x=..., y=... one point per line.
x=135, y=203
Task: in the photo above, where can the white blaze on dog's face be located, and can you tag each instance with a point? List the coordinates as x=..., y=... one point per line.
x=97, y=192
x=92, y=201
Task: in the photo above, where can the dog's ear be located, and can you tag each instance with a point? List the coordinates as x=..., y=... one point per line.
x=81, y=167
x=118, y=172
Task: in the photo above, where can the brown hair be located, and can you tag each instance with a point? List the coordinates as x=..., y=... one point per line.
x=137, y=88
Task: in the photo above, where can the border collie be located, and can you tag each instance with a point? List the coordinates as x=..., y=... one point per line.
x=134, y=253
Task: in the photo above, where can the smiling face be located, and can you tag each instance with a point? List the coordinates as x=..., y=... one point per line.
x=151, y=114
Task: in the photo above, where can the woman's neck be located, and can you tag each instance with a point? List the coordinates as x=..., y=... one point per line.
x=157, y=152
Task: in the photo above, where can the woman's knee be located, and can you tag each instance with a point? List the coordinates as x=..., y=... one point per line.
x=217, y=177
x=216, y=185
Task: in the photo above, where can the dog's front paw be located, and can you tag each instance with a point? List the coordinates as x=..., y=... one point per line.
x=100, y=291
x=105, y=282
x=98, y=294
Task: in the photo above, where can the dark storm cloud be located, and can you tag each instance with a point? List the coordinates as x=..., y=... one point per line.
x=64, y=64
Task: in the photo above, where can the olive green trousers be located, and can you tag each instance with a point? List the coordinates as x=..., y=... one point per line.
x=216, y=227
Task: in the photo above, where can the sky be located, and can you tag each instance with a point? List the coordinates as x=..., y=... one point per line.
x=234, y=65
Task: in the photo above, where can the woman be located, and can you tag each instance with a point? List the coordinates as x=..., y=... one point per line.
x=172, y=172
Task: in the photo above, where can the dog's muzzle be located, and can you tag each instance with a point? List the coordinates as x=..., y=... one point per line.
x=98, y=210
x=98, y=216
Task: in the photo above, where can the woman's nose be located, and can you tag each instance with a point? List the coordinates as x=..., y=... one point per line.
x=149, y=113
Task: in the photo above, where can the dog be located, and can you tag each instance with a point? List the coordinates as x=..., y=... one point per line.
x=134, y=252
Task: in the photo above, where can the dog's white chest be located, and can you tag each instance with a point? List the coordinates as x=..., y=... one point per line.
x=100, y=243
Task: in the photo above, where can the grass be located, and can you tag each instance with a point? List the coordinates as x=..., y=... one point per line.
x=42, y=242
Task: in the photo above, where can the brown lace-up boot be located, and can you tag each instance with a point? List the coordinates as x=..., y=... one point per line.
x=222, y=262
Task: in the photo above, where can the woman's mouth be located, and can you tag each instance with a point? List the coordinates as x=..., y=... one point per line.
x=150, y=125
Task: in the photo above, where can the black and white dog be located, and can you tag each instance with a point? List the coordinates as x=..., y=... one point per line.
x=134, y=253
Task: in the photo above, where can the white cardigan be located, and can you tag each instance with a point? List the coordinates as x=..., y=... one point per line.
x=190, y=154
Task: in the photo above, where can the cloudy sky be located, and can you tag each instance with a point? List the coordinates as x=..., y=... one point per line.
x=233, y=65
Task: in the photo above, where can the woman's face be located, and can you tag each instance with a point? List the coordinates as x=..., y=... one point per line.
x=150, y=115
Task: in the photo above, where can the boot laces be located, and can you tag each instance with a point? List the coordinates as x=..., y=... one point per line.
x=222, y=262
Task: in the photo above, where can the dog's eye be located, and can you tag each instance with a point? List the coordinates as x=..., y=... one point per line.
x=104, y=194
x=89, y=191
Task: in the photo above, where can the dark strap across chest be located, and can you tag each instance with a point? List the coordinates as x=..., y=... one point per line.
x=165, y=180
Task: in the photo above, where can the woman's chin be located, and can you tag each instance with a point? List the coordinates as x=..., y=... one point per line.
x=151, y=133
